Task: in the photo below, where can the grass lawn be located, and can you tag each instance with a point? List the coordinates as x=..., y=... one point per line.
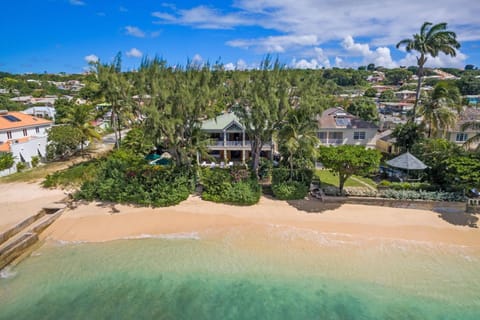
x=328, y=178
x=34, y=174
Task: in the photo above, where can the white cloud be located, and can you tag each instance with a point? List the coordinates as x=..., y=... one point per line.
x=134, y=53
x=275, y=43
x=77, y=2
x=439, y=61
x=338, y=62
x=204, y=17
x=297, y=26
x=380, y=56
x=134, y=31
x=91, y=58
x=197, y=58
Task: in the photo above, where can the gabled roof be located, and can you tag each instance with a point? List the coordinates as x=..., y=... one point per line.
x=13, y=119
x=328, y=120
x=221, y=122
x=407, y=161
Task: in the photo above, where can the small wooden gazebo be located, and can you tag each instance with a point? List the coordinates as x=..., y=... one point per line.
x=408, y=162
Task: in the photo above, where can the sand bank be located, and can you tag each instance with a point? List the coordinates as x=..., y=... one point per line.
x=98, y=222
x=21, y=200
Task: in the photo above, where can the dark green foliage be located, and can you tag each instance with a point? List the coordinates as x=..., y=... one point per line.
x=21, y=166
x=63, y=141
x=280, y=175
x=73, y=176
x=35, y=161
x=364, y=108
x=347, y=160
x=397, y=76
x=125, y=178
x=407, y=135
x=137, y=142
x=434, y=153
x=463, y=171
x=286, y=186
x=234, y=186
x=6, y=160
x=290, y=190
x=388, y=95
x=469, y=84
x=370, y=92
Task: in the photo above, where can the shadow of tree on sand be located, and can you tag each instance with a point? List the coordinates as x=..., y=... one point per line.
x=458, y=218
x=313, y=205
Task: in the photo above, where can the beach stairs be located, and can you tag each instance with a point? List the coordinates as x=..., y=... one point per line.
x=18, y=239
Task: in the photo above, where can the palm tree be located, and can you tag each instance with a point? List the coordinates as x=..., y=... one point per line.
x=117, y=90
x=81, y=117
x=298, y=136
x=473, y=125
x=440, y=111
x=432, y=40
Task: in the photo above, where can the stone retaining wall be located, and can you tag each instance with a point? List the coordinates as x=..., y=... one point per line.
x=395, y=203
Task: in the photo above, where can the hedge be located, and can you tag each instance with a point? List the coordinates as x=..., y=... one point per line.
x=232, y=186
x=125, y=178
x=285, y=187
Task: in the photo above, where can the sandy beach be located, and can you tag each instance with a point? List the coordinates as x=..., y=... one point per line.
x=97, y=222
x=21, y=200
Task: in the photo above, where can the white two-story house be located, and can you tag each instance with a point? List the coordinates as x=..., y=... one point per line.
x=228, y=140
x=338, y=127
x=24, y=136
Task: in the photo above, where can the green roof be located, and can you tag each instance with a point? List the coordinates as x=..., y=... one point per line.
x=221, y=122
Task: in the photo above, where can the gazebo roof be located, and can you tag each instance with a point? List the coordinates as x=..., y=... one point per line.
x=407, y=161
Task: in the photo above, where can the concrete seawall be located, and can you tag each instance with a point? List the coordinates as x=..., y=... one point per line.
x=18, y=239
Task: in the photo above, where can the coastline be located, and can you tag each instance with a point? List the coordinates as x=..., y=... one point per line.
x=98, y=222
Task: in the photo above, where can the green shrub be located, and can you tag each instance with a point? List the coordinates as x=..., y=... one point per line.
x=421, y=195
x=285, y=188
x=35, y=161
x=126, y=178
x=21, y=166
x=290, y=190
x=74, y=176
x=283, y=174
x=233, y=186
x=417, y=186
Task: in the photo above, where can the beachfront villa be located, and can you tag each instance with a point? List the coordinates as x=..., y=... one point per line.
x=456, y=134
x=24, y=136
x=337, y=127
x=228, y=140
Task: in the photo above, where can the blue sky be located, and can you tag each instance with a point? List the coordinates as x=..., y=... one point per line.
x=63, y=35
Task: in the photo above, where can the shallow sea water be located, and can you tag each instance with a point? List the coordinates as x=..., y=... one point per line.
x=273, y=273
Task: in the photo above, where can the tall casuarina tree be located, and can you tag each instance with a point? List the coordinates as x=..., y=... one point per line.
x=431, y=40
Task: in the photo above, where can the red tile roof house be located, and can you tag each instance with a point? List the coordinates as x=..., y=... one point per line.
x=337, y=127
x=24, y=136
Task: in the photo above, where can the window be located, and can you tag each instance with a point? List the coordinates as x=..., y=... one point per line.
x=37, y=129
x=336, y=135
x=359, y=135
x=9, y=134
x=322, y=135
x=25, y=132
x=461, y=137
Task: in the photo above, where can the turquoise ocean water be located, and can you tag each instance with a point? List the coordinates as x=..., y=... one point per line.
x=285, y=275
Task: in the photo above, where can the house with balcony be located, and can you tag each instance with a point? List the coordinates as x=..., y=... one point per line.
x=337, y=127
x=228, y=140
x=456, y=135
x=24, y=136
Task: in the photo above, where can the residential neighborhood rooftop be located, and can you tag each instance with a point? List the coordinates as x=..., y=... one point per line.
x=13, y=119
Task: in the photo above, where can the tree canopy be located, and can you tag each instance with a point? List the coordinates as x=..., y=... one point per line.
x=347, y=160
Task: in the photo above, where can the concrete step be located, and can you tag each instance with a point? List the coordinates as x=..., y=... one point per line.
x=18, y=243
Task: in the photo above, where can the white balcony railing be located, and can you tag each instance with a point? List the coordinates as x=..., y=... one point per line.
x=228, y=143
x=333, y=141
